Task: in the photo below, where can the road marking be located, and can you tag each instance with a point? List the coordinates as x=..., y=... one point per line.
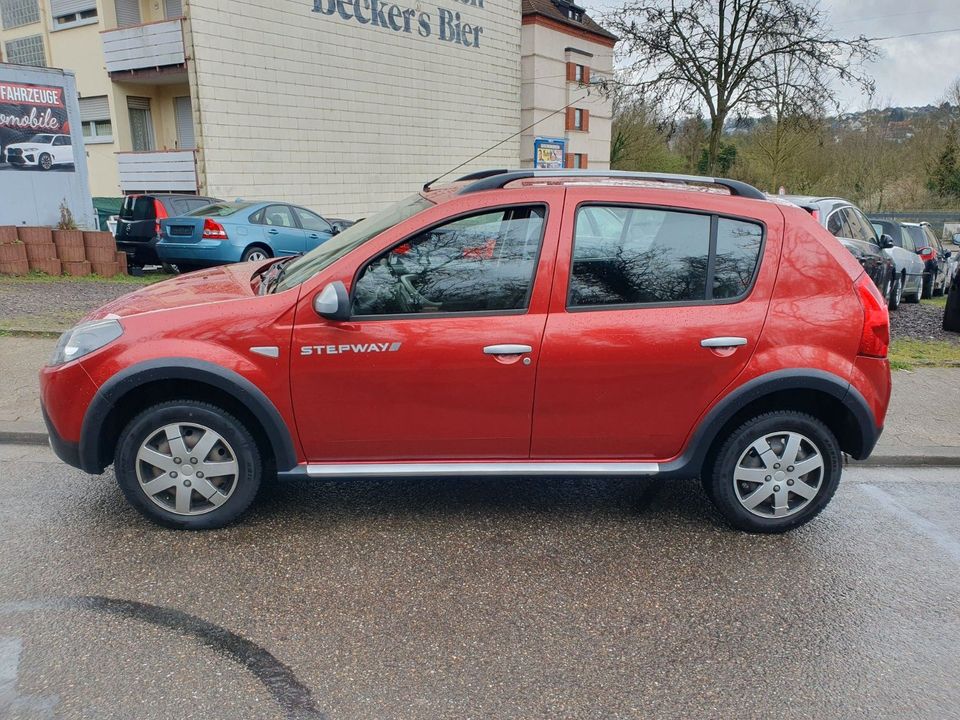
x=10, y=650
x=941, y=537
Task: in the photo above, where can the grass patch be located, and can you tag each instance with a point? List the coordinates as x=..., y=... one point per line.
x=39, y=277
x=909, y=353
x=939, y=301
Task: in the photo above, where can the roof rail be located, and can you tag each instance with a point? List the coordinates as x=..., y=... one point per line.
x=496, y=179
x=481, y=174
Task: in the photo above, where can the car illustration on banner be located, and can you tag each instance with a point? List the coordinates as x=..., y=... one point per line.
x=43, y=151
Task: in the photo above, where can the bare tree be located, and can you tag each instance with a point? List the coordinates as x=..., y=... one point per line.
x=727, y=55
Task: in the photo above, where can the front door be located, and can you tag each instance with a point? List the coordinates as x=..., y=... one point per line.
x=654, y=312
x=439, y=358
x=281, y=231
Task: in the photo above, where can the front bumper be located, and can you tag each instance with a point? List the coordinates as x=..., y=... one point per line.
x=66, y=450
x=66, y=392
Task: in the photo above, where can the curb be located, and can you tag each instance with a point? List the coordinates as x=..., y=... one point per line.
x=27, y=333
x=876, y=461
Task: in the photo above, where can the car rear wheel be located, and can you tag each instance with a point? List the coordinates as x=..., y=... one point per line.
x=896, y=293
x=255, y=253
x=188, y=465
x=775, y=472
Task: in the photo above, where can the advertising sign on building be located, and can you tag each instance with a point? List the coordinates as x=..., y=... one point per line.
x=548, y=153
x=34, y=128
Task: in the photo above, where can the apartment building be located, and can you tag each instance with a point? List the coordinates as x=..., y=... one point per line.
x=341, y=105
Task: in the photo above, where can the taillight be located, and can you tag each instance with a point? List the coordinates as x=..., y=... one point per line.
x=160, y=212
x=875, y=338
x=816, y=215
x=212, y=230
x=927, y=253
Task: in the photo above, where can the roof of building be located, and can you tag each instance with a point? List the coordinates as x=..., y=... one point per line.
x=553, y=9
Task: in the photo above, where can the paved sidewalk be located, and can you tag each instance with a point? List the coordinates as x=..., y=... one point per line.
x=923, y=423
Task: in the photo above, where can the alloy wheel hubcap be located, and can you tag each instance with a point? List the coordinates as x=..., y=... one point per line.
x=257, y=256
x=779, y=474
x=187, y=469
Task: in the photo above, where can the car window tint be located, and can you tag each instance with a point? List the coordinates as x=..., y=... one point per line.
x=916, y=233
x=906, y=240
x=837, y=224
x=738, y=251
x=137, y=207
x=278, y=216
x=311, y=221
x=931, y=238
x=860, y=229
x=654, y=256
x=484, y=262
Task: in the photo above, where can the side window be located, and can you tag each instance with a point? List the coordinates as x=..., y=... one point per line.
x=61, y=140
x=837, y=224
x=278, y=216
x=651, y=256
x=862, y=227
x=481, y=262
x=312, y=221
x=907, y=241
x=738, y=252
x=932, y=239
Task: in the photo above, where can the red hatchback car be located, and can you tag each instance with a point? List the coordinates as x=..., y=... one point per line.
x=515, y=323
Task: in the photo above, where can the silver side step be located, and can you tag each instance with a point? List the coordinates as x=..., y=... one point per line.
x=424, y=469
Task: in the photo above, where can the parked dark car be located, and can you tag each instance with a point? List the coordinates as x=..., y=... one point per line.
x=138, y=225
x=908, y=265
x=934, y=256
x=850, y=226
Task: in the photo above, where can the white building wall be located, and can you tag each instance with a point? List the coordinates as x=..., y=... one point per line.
x=545, y=89
x=346, y=117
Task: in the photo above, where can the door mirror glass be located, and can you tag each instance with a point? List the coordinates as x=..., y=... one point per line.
x=333, y=302
x=886, y=242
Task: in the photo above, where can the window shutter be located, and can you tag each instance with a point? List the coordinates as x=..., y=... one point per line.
x=571, y=71
x=586, y=74
x=570, y=118
x=59, y=8
x=583, y=161
x=568, y=160
x=138, y=103
x=94, y=108
x=586, y=121
x=128, y=12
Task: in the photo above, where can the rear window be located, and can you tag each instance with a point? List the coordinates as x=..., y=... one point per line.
x=639, y=256
x=138, y=207
x=219, y=209
x=916, y=234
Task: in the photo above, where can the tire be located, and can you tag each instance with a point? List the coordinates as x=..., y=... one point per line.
x=939, y=291
x=927, y=288
x=914, y=297
x=148, y=454
x=45, y=161
x=255, y=252
x=896, y=293
x=185, y=267
x=738, y=474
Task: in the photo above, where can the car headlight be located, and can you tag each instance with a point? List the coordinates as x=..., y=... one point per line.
x=31, y=149
x=84, y=339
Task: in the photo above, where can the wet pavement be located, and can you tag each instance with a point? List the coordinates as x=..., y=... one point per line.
x=477, y=598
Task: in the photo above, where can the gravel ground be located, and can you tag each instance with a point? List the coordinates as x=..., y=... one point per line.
x=30, y=304
x=921, y=321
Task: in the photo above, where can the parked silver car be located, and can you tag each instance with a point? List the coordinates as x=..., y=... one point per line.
x=936, y=258
x=908, y=266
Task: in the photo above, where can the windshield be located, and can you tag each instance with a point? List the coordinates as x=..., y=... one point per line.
x=43, y=139
x=218, y=209
x=339, y=245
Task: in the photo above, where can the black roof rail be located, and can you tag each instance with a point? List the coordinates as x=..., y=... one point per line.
x=481, y=174
x=496, y=179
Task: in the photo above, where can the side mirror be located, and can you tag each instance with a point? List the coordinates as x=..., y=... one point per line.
x=334, y=230
x=333, y=302
x=948, y=254
x=886, y=242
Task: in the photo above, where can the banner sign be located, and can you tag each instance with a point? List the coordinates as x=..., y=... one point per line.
x=548, y=153
x=34, y=129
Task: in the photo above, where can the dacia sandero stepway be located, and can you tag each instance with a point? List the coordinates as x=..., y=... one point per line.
x=521, y=323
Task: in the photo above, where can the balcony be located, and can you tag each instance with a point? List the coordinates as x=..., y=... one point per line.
x=149, y=53
x=158, y=171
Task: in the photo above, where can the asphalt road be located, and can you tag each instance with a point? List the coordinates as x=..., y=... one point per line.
x=477, y=599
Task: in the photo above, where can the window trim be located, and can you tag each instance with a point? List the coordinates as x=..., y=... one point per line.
x=715, y=218
x=439, y=223
x=76, y=22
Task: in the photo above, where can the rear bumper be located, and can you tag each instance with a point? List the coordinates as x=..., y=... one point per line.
x=140, y=253
x=205, y=252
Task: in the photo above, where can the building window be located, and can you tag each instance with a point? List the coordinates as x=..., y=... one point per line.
x=578, y=73
x=575, y=14
x=95, y=117
x=578, y=119
x=26, y=51
x=141, y=124
x=579, y=161
x=71, y=19
x=17, y=13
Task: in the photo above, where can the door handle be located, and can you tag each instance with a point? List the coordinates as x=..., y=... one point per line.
x=507, y=349
x=723, y=342
x=273, y=231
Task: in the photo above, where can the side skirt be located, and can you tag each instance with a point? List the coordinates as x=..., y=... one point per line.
x=464, y=469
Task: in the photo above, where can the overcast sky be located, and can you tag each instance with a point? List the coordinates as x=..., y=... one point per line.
x=910, y=71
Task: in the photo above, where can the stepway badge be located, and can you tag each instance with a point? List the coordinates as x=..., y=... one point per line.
x=344, y=349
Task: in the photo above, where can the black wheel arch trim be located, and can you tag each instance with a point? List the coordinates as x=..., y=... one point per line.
x=690, y=463
x=178, y=368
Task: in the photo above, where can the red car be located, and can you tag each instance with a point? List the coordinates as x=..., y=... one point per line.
x=515, y=323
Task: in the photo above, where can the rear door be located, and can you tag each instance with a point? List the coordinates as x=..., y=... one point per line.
x=315, y=228
x=137, y=221
x=281, y=230
x=654, y=311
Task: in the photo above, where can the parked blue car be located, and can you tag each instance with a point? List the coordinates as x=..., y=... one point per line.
x=228, y=232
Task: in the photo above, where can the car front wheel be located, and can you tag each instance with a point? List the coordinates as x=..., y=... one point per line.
x=46, y=161
x=188, y=465
x=896, y=293
x=775, y=472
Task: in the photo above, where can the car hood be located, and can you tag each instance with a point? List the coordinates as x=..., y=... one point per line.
x=204, y=287
x=25, y=145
